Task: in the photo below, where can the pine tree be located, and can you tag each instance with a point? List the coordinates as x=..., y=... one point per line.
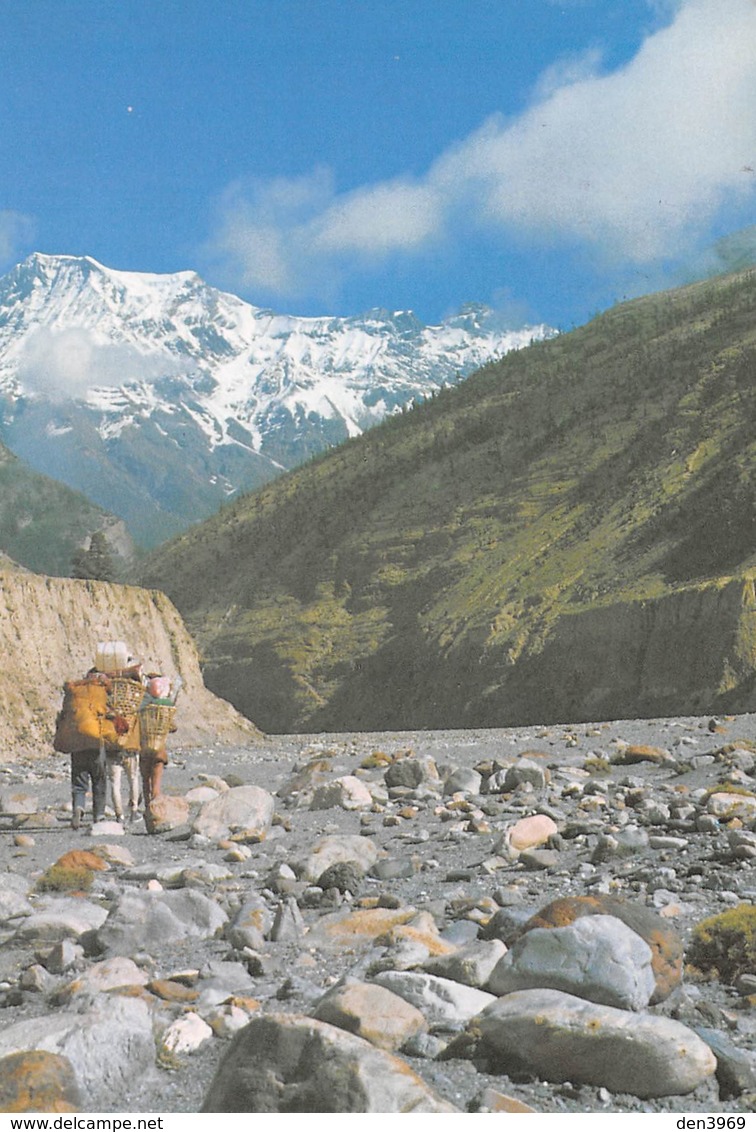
x=96, y=562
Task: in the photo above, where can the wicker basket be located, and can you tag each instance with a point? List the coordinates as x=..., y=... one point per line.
x=125, y=695
x=156, y=721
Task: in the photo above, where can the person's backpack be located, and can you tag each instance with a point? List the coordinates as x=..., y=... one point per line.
x=83, y=721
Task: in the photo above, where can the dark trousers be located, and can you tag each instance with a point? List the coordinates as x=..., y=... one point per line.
x=89, y=766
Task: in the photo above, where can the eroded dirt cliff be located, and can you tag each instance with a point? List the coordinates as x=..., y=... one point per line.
x=49, y=630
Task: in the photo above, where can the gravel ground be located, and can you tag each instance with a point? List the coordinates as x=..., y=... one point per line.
x=449, y=880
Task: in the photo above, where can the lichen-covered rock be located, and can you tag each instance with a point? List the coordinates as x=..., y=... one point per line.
x=106, y=1046
x=83, y=859
x=37, y=1081
x=564, y=1038
x=726, y=804
x=470, y=964
x=640, y=753
x=372, y=1012
x=287, y=1063
x=110, y=973
x=166, y=812
x=596, y=957
x=361, y=926
x=661, y=937
x=250, y=925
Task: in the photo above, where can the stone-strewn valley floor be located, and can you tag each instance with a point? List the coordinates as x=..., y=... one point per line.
x=371, y=883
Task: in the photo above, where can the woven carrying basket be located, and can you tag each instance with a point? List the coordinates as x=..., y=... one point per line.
x=125, y=696
x=156, y=721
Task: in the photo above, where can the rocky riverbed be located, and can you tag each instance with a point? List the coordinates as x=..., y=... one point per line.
x=345, y=923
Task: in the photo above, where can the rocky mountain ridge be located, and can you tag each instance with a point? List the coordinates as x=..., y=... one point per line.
x=161, y=397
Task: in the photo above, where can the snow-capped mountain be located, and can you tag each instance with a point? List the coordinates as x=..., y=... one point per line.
x=159, y=396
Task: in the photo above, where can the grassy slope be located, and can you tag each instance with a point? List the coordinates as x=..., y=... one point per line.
x=42, y=522
x=395, y=580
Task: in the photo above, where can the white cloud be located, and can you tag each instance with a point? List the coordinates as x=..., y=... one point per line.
x=379, y=219
x=633, y=164
x=290, y=235
x=66, y=364
x=16, y=234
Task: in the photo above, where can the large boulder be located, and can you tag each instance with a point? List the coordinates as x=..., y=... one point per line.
x=563, y=1038
x=147, y=921
x=336, y=849
x=243, y=810
x=61, y=917
x=108, y=1046
x=597, y=957
x=288, y=1063
x=666, y=945
x=38, y=1081
x=445, y=1004
x=372, y=1012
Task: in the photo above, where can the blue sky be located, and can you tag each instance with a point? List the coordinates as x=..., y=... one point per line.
x=327, y=156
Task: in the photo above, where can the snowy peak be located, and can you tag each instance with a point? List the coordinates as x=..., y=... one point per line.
x=149, y=371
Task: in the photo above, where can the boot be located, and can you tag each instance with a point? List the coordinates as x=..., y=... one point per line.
x=78, y=813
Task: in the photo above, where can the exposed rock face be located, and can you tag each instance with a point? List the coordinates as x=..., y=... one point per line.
x=691, y=650
x=49, y=630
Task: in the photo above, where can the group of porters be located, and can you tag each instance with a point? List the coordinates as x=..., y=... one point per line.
x=114, y=720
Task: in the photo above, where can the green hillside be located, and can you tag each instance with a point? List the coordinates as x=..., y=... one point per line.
x=42, y=522
x=431, y=572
